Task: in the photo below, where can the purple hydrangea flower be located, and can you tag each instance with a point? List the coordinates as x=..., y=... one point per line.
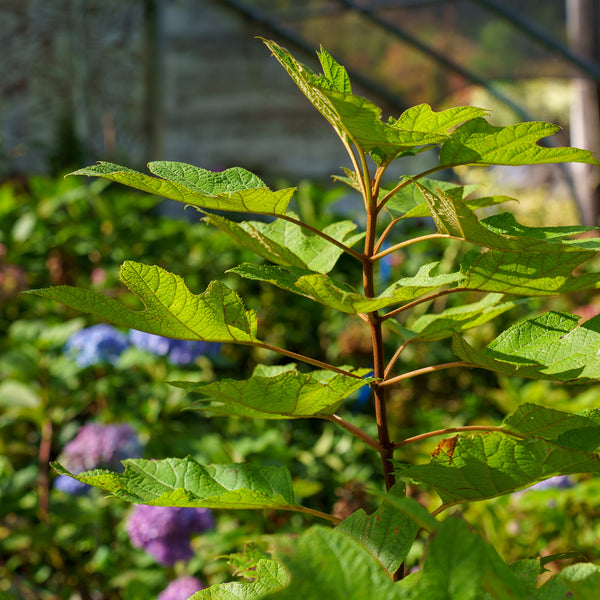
x=96, y=344
x=181, y=589
x=164, y=531
x=96, y=446
x=178, y=352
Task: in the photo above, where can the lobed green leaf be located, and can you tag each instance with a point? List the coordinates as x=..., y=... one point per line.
x=467, y=468
x=185, y=482
x=388, y=533
x=552, y=346
x=434, y=327
x=327, y=291
x=288, y=244
x=171, y=310
x=232, y=190
x=277, y=393
x=478, y=142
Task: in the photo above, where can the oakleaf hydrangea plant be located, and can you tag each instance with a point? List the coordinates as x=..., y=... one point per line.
x=502, y=262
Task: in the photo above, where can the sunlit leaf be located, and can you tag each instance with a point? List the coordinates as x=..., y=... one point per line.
x=269, y=577
x=551, y=346
x=336, y=295
x=433, y=327
x=185, y=482
x=286, y=243
x=467, y=468
x=277, y=393
x=478, y=142
x=171, y=310
x=232, y=190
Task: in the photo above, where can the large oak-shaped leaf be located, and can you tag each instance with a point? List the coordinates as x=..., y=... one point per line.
x=478, y=142
x=389, y=532
x=286, y=243
x=338, y=296
x=454, y=218
x=551, y=346
x=466, y=468
x=268, y=577
x=185, y=482
x=358, y=120
x=232, y=190
x=171, y=310
x=528, y=273
x=433, y=327
x=277, y=392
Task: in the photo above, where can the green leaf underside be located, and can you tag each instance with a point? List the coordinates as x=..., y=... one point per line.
x=551, y=346
x=185, y=482
x=501, y=232
x=408, y=200
x=478, y=142
x=171, y=310
x=277, y=393
x=577, y=431
x=359, y=120
x=459, y=564
x=527, y=273
x=269, y=576
x=433, y=327
x=288, y=244
x=326, y=563
x=388, y=533
x=323, y=563
x=334, y=294
x=232, y=190
x=487, y=465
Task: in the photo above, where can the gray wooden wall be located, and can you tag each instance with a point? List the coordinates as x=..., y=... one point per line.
x=188, y=83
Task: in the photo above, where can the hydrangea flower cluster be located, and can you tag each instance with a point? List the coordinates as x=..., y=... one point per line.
x=178, y=352
x=96, y=446
x=164, y=531
x=104, y=344
x=96, y=345
x=556, y=482
x=181, y=589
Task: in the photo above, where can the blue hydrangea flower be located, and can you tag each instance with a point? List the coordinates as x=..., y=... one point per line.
x=178, y=352
x=164, y=531
x=556, y=482
x=96, y=345
x=96, y=446
x=181, y=589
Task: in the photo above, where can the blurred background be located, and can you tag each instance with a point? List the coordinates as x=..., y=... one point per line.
x=186, y=80
x=130, y=81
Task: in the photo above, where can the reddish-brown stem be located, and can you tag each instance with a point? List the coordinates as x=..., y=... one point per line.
x=386, y=448
x=43, y=466
x=305, y=359
x=418, y=301
x=464, y=429
x=431, y=236
x=354, y=430
x=423, y=371
x=395, y=358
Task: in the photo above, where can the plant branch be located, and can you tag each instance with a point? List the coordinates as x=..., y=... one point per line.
x=385, y=233
x=406, y=182
x=316, y=231
x=423, y=371
x=354, y=430
x=394, y=358
x=466, y=428
x=305, y=359
x=431, y=236
x=317, y=513
x=418, y=301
